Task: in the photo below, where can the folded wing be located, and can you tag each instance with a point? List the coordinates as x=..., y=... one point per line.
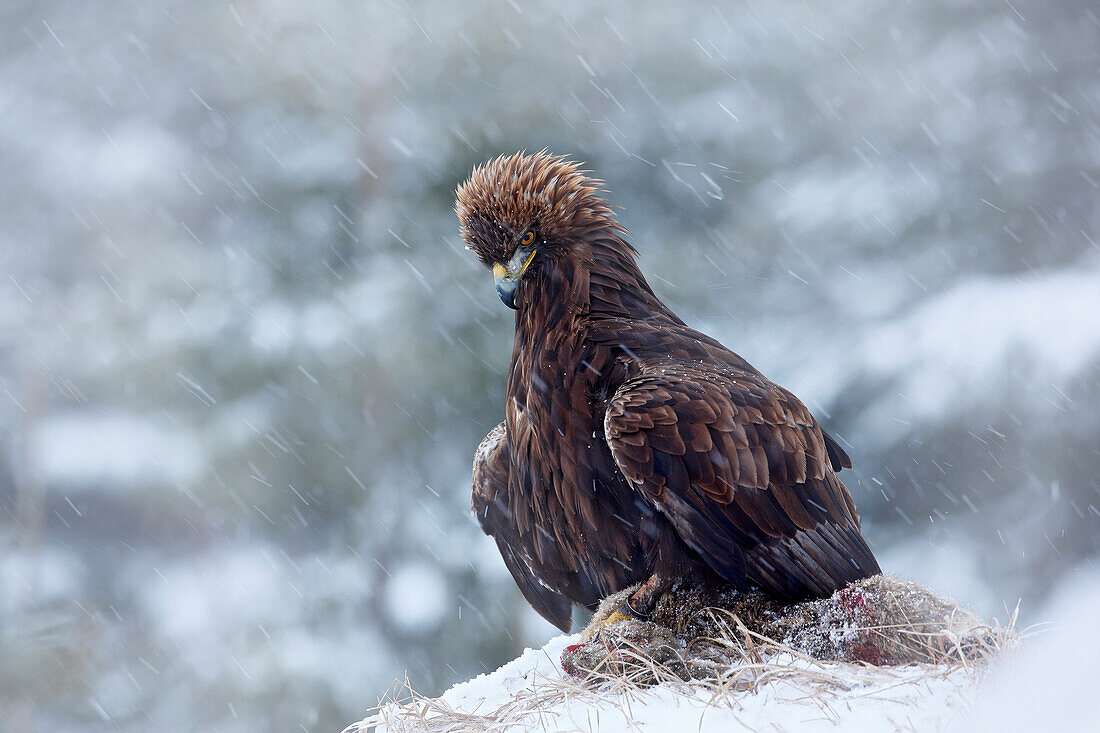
x=744, y=473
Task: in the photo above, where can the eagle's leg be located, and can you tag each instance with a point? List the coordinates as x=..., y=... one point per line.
x=643, y=601
x=671, y=565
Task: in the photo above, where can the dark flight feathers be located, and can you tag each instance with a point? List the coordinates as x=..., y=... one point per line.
x=490, y=486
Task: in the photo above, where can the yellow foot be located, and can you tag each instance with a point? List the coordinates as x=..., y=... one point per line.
x=614, y=618
x=599, y=624
x=612, y=610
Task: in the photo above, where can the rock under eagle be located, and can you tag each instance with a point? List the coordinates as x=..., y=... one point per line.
x=634, y=448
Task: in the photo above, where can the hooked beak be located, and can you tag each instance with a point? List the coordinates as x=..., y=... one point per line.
x=507, y=278
x=506, y=285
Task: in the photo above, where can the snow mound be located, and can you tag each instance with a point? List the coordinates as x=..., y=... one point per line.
x=705, y=661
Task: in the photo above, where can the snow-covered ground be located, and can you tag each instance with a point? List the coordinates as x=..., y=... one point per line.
x=532, y=693
x=1050, y=683
x=1039, y=686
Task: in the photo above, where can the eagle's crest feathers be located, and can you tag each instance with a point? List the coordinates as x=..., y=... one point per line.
x=550, y=193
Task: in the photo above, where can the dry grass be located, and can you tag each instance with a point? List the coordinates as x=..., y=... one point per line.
x=719, y=669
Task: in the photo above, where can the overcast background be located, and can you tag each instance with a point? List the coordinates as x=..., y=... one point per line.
x=244, y=360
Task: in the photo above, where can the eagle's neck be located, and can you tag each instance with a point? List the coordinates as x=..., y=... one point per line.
x=617, y=287
x=596, y=278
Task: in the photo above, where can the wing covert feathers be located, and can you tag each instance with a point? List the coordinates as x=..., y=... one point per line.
x=743, y=471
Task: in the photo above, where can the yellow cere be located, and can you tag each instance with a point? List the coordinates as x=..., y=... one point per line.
x=528, y=262
x=502, y=272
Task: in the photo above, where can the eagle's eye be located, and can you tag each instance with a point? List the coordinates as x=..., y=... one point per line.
x=527, y=238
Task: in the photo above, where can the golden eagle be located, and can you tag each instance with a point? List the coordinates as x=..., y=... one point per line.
x=634, y=448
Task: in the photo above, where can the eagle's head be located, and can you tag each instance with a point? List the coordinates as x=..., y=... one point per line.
x=520, y=213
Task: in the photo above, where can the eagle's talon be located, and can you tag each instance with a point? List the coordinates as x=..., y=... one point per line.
x=628, y=610
x=636, y=612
